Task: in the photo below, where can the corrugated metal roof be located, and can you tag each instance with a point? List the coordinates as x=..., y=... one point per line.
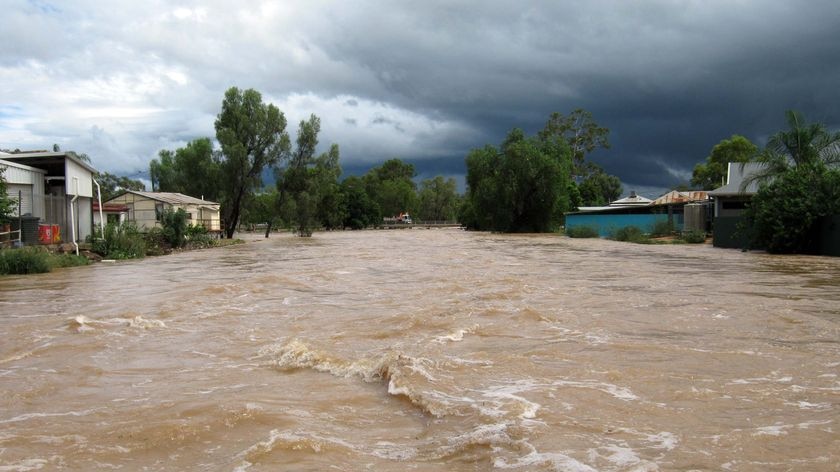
x=633, y=199
x=173, y=198
x=735, y=176
x=675, y=196
x=34, y=158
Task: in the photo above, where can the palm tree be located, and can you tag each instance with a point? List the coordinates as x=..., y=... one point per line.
x=803, y=146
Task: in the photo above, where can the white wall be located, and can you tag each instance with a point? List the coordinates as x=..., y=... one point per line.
x=85, y=179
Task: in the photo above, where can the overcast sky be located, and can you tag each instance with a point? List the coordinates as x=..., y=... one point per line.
x=422, y=81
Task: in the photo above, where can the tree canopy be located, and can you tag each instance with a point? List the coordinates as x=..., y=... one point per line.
x=438, y=199
x=807, y=146
x=392, y=188
x=253, y=137
x=521, y=186
x=598, y=188
x=711, y=174
x=580, y=132
x=800, y=183
x=308, y=186
x=111, y=185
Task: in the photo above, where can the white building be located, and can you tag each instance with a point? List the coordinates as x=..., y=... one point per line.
x=55, y=187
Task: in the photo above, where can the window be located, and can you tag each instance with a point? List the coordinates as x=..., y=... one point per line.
x=158, y=211
x=733, y=205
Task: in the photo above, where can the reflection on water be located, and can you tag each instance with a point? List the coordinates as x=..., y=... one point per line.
x=425, y=350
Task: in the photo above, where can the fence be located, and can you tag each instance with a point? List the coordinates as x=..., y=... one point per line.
x=6, y=238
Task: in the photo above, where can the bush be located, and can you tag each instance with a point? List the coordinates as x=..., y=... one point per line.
x=156, y=243
x=582, y=232
x=198, y=236
x=174, y=224
x=662, y=228
x=630, y=234
x=783, y=214
x=694, y=237
x=120, y=241
x=24, y=261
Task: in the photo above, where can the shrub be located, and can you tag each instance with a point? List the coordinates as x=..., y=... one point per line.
x=662, y=228
x=198, y=236
x=156, y=243
x=783, y=214
x=120, y=241
x=174, y=224
x=57, y=261
x=694, y=237
x=630, y=234
x=24, y=261
x=582, y=232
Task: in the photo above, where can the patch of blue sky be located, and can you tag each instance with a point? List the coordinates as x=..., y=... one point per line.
x=8, y=112
x=44, y=7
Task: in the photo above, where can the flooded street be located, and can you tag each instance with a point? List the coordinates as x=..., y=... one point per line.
x=430, y=350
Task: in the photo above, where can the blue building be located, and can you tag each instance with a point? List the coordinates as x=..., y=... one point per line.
x=637, y=211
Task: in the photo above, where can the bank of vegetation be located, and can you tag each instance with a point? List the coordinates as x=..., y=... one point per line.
x=524, y=184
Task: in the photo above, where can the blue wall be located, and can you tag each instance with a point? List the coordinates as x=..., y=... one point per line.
x=607, y=223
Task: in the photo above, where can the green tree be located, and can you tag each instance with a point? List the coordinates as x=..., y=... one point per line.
x=332, y=207
x=262, y=208
x=162, y=172
x=580, y=132
x=438, y=199
x=520, y=187
x=194, y=170
x=710, y=174
x=598, y=188
x=800, y=183
x=392, y=188
x=253, y=137
x=808, y=146
x=308, y=186
x=7, y=203
x=360, y=210
x=111, y=185
x=297, y=190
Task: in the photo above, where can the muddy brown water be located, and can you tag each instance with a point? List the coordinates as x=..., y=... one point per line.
x=425, y=350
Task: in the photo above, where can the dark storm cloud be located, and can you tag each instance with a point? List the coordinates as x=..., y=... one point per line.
x=670, y=79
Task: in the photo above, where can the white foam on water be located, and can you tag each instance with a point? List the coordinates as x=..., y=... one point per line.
x=621, y=456
x=25, y=465
x=285, y=440
x=664, y=440
x=84, y=324
x=803, y=405
x=621, y=393
x=775, y=430
x=557, y=461
x=457, y=335
x=508, y=392
x=29, y=416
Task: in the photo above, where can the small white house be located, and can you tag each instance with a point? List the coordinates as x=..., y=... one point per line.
x=145, y=209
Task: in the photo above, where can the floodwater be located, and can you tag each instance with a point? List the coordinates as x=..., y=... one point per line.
x=429, y=350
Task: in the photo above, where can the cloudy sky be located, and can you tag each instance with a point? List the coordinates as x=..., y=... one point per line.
x=422, y=81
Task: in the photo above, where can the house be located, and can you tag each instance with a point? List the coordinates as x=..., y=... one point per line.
x=635, y=210
x=146, y=208
x=730, y=201
x=56, y=189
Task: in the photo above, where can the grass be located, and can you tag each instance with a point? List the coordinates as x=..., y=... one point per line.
x=693, y=237
x=34, y=260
